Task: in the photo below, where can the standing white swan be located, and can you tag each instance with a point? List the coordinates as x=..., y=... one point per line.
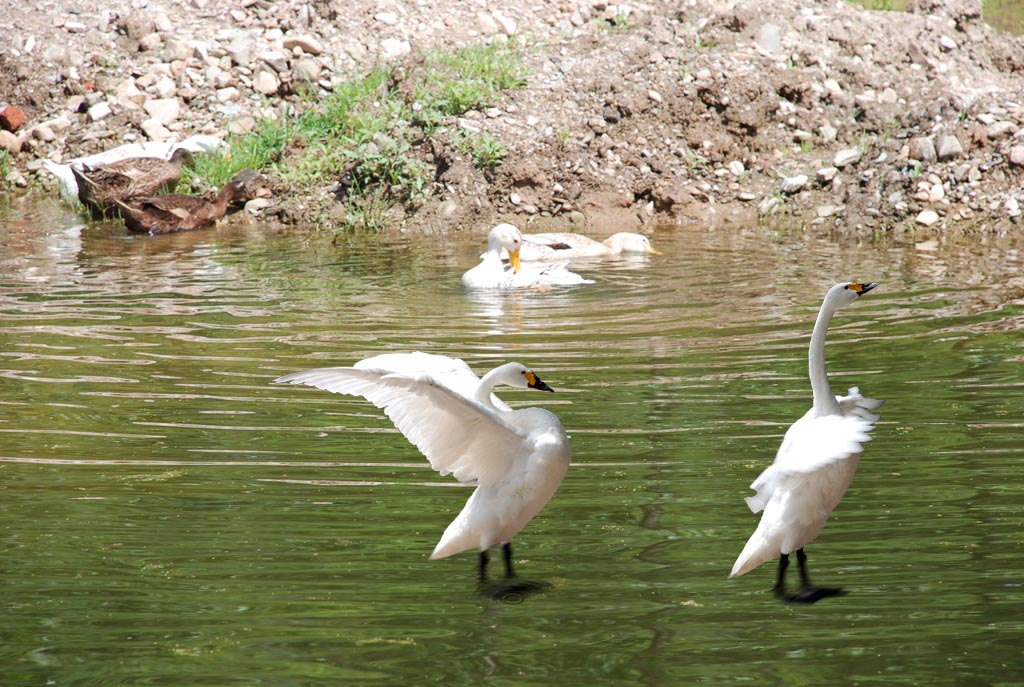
x=492, y=273
x=517, y=458
x=814, y=465
x=569, y=246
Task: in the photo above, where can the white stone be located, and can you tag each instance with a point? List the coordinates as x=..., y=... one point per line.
x=936, y=193
x=228, y=94
x=9, y=142
x=515, y=198
x=99, y=111
x=177, y=49
x=654, y=95
x=306, y=44
x=832, y=86
x=828, y=133
x=154, y=130
x=507, y=25
x=794, y=184
x=927, y=218
x=306, y=69
x=389, y=18
x=163, y=110
x=825, y=175
x=736, y=167
x=277, y=60
x=394, y=48
x=165, y=88
x=846, y=157
x=888, y=96
x=128, y=95
x=1012, y=207
x=44, y=132
x=266, y=82
x=947, y=44
x=1000, y=129
x=152, y=41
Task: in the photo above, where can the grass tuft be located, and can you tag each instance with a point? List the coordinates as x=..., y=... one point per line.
x=365, y=135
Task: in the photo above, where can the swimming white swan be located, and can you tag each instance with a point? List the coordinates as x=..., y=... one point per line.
x=517, y=458
x=814, y=465
x=492, y=273
x=567, y=246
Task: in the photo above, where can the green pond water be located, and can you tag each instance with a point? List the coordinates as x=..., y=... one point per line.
x=170, y=517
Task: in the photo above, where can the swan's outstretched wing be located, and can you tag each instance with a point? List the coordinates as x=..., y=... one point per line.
x=453, y=373
x=812, y=442
x=457, y=435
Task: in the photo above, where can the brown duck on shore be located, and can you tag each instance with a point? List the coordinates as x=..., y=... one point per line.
x=173, y=212
x=100, y=187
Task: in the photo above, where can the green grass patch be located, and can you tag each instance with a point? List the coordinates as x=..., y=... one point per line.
x=364, y=136
x=5, y=166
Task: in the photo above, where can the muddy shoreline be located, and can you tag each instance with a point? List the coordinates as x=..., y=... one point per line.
x=818, y=115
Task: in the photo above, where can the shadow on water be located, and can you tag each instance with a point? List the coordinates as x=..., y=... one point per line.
x=168, y=511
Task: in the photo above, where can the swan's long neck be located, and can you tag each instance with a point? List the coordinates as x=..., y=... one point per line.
x=486, y=386
x=824, y=400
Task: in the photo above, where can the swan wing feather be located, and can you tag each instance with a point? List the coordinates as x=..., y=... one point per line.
x=457, y=435
x=812, y=443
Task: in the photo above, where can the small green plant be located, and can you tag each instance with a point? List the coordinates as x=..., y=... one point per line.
x=806, y=146
x=5, y=166
x=693, y=159
x=487, y=152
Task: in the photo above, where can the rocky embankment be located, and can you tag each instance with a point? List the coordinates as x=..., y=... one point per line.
x=819, y=114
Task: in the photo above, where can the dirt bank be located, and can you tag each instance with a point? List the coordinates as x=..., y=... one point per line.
x=814, y=113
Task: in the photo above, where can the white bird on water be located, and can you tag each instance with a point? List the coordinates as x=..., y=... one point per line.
x=549, y=247
x=517, y=458
x=492, y=273
x=814, y=465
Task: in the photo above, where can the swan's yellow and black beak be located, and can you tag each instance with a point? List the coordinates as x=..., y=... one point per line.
x=533, y=381
x=861, y=289
x=513, y=257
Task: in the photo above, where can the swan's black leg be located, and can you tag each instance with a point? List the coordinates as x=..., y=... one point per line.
x=506, y=548
x=808, y=594
x=801, y=559
x=780, y=578
x=512, y=589
x=482, y=569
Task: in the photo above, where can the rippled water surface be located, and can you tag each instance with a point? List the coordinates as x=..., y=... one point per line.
x=169, y=517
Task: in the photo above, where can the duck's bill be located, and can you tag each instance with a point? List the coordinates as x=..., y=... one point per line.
x=513, y=257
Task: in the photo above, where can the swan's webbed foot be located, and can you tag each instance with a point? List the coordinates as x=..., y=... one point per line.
x=512, y=589
x=808, y=593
